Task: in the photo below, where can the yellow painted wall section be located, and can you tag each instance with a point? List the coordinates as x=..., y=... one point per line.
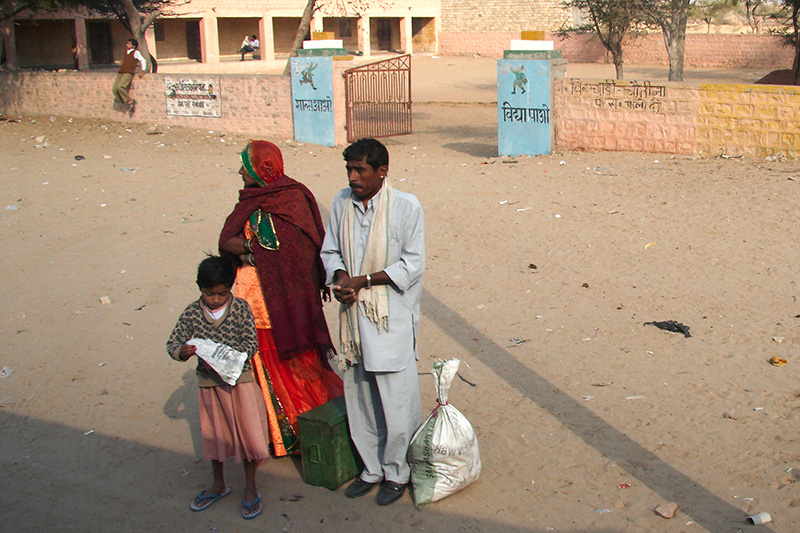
x=761, y=120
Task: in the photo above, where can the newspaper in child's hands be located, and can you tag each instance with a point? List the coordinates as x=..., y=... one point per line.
x=223, y=359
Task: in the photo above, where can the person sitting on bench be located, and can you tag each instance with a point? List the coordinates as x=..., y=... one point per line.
x=249, y=44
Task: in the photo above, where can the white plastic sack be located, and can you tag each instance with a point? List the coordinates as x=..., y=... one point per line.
x=443, y=454
x=223, y=359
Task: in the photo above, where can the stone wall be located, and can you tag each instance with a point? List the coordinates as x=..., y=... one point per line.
x=503, y=15
x=677, y=118
x=748, y=119
x=624, y=116
x=702, y=50
x=597, y=115
x=254, y=105
x=475, y=43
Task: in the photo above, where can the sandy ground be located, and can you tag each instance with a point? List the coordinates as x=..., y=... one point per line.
x=541, y=273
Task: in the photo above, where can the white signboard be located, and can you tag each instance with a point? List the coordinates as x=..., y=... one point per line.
x=193, y=97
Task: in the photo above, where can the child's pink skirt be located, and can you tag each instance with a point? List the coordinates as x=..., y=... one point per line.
x=233, y=421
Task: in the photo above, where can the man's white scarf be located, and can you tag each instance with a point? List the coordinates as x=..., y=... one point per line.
x=374, y=302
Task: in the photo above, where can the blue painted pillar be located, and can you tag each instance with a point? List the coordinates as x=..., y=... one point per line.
x=524, y=103
x=312, y=100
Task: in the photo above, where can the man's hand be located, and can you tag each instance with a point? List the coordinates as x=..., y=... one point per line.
x=141, y=75
x=345, y=288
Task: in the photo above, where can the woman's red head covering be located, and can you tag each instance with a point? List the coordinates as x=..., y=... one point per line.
x=263, y=161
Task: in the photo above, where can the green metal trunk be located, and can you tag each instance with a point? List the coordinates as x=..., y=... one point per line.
x=329, y=456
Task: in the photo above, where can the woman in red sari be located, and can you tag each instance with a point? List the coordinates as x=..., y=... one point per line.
x=276, y=230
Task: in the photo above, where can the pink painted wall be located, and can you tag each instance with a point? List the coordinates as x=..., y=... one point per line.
x=471, y=43
x=600, y=115
x=702, y=50
x=257, y=105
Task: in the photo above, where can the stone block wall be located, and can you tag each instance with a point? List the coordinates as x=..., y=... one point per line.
x=748, y=119
x=702, y=50
x=624, y=116
x=253, y=105
x=593, y=115
x=475, y=43
x=710, y=50
x=503, y=15
x=676, y=118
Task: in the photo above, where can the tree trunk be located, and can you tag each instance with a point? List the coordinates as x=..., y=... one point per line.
x=796, y=33
x=149, y=21
x=300, y=36
x=616, y=54
x=675, y=52
x=139, y=27
x=796, y=64
x=674, y=31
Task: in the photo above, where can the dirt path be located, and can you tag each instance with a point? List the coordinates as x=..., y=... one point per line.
x=570, y=253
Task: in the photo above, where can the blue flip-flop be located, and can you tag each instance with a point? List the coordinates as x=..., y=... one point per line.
x=207, y=500
x=247, y=507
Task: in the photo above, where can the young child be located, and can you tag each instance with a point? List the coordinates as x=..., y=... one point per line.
x=232, y=418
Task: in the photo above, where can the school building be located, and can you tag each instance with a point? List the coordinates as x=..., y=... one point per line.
x=211, y=31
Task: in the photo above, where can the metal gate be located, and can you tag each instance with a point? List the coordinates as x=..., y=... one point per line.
x=378, y=98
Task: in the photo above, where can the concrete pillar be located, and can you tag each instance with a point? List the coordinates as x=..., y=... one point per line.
x=80, y=53
x=209, y=39
x=523, y=118
x=406, y=35
x=267, y=38
x=364, y=36
x=317, y=24
x=150, y=38
x=9, y=43
x=438, y=25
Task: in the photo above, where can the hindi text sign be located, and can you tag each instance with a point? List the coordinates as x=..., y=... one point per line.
x=193, y=97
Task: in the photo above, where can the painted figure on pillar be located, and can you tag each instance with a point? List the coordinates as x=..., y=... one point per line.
x=307, y=75
x=520, y=80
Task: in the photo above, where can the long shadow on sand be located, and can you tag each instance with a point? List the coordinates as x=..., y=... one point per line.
x=705, y=508
x=468, y=136
x=107, y=483
x=475, y=149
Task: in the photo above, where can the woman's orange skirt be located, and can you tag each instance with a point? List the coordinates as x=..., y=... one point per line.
x=290, y=388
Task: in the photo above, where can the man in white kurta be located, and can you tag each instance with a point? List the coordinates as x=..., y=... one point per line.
x=380, y=372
